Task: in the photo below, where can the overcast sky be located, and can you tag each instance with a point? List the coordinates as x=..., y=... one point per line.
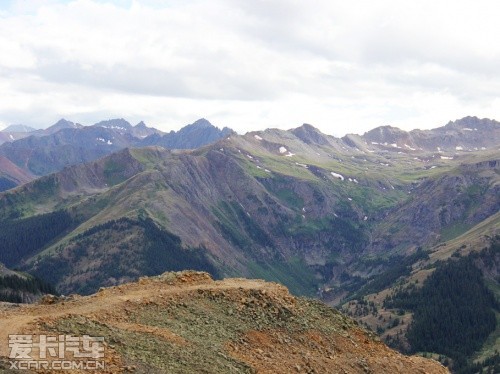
x=342, y=66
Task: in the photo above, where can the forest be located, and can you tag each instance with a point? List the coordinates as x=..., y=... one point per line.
x=23, y=237
x=14, y=287
x=454, y=310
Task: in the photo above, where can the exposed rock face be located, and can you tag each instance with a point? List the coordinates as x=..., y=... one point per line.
x=186, y=322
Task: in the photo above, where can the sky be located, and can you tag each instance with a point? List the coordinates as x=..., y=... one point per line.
x=341, y=66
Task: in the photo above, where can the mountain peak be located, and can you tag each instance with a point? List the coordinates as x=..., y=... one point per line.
x=202, y=123
x=116, y=123
x=472, y=122
x=386, y=134
x=310, y=135
x=141, y=125
x=197, y=134
x=18, y=128
x=62, y=124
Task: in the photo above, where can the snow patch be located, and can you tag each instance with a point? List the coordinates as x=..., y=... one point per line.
x=446, y=158
x=459, y=148
x=349, y=198
x=303, y=165
x=410, y=148
x=267, y=170
x=114, y=127
x=109, y=142
x=290, y=154
x=11, y=137
x=257, y=137
x=250, y=157
x=339, y=176
x=375, y=143
x=283, y=150
x=467, y=129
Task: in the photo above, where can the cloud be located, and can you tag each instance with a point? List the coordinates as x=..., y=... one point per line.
x=342, y=66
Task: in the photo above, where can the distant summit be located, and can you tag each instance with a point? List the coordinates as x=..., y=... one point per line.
x=195, y=135
x=117, y=124
x=466, y=134
x=472, y=124
x=64, y=124
x=310, y=135
x=18, y=128
x=201, y=123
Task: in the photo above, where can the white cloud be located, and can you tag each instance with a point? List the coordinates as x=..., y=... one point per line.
x=341, y=66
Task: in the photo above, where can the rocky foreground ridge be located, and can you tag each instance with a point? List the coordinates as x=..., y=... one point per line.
x=186, y=322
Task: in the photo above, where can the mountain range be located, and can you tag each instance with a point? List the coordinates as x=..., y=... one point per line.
x=31, y=154
x=350, y=220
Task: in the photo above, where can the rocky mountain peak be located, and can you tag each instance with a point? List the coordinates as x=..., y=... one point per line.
x=202, y=123
x=310, y=135
x=18, y=128
x=388, y=134
x=473, y=123
x=141, y=125
x=62, y=124
x=117, y=123
x=195, y=135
